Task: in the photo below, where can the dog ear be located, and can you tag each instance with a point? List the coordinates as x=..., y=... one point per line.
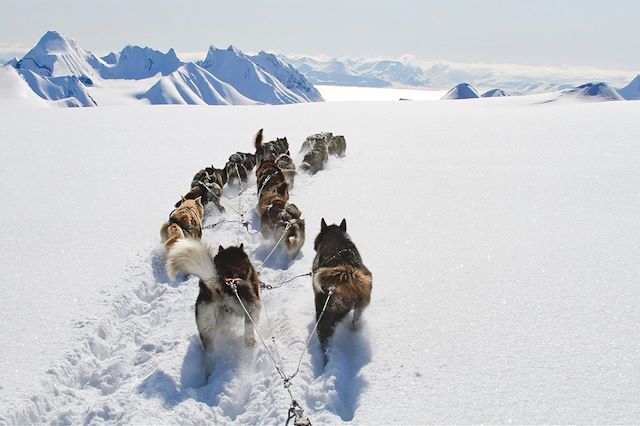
x=199, y=201
x=323, y=225
x=343, y=225
x=178, y=204
x=220, y=248
x=241, y=246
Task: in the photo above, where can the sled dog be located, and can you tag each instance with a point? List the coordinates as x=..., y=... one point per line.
x=239, y=167
x=338, y=265
x=207, y=184
x=188, y=217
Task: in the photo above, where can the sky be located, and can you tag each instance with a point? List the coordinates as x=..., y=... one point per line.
x=542, y=32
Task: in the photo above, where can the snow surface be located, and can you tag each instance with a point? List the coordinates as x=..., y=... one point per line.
x=503, y=243
x=15, y=90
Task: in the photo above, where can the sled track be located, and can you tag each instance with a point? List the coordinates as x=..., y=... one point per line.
x=144, y=362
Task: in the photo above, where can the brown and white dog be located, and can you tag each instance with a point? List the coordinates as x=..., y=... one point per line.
x=338, y=265
x=239, y=166
x=283, y=223
x=187, y=217
x=218, y=275
x=207, y=184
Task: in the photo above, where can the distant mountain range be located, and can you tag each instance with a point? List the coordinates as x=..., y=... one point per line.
x=58, y=70
x=409, y=72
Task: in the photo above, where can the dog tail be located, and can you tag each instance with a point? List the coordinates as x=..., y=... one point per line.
x=258, y=140
x=191, y=257
x=348, y=277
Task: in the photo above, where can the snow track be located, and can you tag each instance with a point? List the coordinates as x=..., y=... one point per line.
x=148, y=349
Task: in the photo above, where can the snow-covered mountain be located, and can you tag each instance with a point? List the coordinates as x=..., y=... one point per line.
x=494, y=93
x=287, y=74
x=193, y=85
x=55, y=55
x=462, y=91
x=135, y=63
x=631, y=91
x=67, y=90
x=14, y=89
x=594, y=92
x=235, y=68
x=59, y=70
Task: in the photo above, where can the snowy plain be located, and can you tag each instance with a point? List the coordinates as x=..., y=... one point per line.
x=502, y=234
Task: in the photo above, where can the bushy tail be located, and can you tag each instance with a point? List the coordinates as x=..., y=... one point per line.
x=353, y=279
x=258, y=141
x=191, y=257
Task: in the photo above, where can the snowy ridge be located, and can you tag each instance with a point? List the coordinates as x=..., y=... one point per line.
x=66, y=90
x=136, y=63
x=235, y=68
x=55, y=56
x=631, y=91
x=462, y=91
x=595, y=92
x=494, y=93
x=14, y=89
x=286, y=73
x=193, y=85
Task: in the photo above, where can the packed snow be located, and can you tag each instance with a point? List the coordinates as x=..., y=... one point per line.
x=502, y=235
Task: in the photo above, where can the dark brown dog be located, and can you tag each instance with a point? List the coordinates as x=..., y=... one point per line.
x=338, y=265
x=239, y=166
x=282, y=222
x=269, y=151
x=207, y=184
x=315, y=159
x=230, y=268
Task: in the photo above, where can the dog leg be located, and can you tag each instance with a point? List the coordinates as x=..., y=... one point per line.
x=206, y=322
x=333, y=314
x=356, y=323
x=249, y=332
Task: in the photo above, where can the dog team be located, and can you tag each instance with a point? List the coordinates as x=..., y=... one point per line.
x=341, y=281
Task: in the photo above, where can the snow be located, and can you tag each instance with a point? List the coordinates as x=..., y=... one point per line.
x=235, y=68
x=136, y=63
x=462, y=91
x=193, y=85
x=67, y=90
x=502, y=237
x=494, y=93
x=14, y=90
x=631, y=91
x=595, y=92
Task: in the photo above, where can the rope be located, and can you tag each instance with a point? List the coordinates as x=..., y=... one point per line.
x=286, y=228
x=219, y=198
x=271, y=287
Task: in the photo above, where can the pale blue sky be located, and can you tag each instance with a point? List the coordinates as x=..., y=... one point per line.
x=544, y=32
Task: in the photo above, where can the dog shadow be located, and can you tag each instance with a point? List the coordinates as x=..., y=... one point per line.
x=349, y=352
x=228, y=358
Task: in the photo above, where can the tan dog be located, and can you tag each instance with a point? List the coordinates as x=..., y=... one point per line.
x=188, y=217
x=173, y=233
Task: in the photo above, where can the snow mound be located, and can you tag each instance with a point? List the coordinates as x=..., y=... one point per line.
x=193, y=85
x=594, y=91
x=235, y=68
x=287, y=74
x=55, y=56
x=631, y=91
x=462, y=91
x=14, y=89
x=136, y=63
x=68, y=90
x=495, y=93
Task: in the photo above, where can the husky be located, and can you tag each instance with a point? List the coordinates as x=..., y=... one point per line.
x=337, y=146
x=288, y=167
x=283, y=223
x=269, y=151
x=218, y=274
x=188, y=217
x=338, y=265
x=207, y=184
x=239, y=167
x=316, y=158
